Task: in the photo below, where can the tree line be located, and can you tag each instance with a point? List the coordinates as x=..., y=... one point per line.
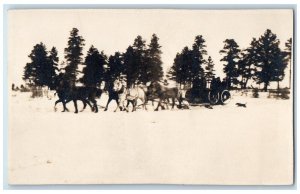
x=263, y=61
x=139, y=63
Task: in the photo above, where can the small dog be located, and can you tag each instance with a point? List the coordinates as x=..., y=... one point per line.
x=241, y=105
x=208, y=106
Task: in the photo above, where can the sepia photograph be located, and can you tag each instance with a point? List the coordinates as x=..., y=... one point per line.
x=150, y=96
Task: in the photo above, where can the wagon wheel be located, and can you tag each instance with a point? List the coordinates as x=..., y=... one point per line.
x=213, y=97
x=225, y=97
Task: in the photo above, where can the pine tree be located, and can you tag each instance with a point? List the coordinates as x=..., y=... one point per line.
x=209, y=74
x=288, y=53
x=135, y=62
x=180, y=71
x=139, y=49
x=93, y=72
x=231, y=59
x=53, y=71
x=198, y=61
x=176, y=71
x=153, y=65
x=40, y=71
x=131, y=67
x=270, y=60
x=288, y=47
x=115, y=67
x=73, y=55
x=29, y=73
x=62, y=67
x=246, y=65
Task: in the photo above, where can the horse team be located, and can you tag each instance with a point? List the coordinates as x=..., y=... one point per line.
x=118, y=92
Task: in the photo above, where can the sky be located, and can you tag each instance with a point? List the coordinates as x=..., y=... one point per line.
x=115, y=30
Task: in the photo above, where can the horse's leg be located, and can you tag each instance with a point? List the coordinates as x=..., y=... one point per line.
x=180, y=101
x=118, y=105
x=167, y=103
x=122, y=105
x=56, y=102
x=94, y=104
x=144, y=101
x=64, y=105
x=64, y=102
x=145, y=106
x=75, y=105
x=159, y=104
x=109, y=99
x=86, y=102
x=126, y=107
x=173, y=102
x=134, y=102
x=84, y=105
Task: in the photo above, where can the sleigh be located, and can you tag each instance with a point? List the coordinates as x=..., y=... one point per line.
x=213, y=96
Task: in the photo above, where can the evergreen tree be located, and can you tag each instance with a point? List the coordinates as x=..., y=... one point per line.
x=176, y=71
x=131, y=67
x=93, y=72
x=231, y=58
x=53, y=59
x=73, y=55
x=288, y=53
x=40, y=71
x=271, y=61
x=153, y=65
x=115, y=67
x=198, y=52
x=29, y=73
x=180, y=71
x=140, y=54
x=210, y=69
x=246, y=65
x=62, y=67
x=135, y=62
x=288, y=47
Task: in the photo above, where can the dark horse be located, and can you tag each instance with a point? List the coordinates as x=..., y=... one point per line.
x=164, y=93
x=67, y=92
x=84, y=94
x=113, y=94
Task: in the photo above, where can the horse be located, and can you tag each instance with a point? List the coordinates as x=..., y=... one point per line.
x=164, y=93
x=119, y=92
x=85, y=94
x=67, y=92
x=134, y=93
x=113, y=94
x=64, y=99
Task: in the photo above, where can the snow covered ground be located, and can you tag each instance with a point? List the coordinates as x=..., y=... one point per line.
x=223, y=145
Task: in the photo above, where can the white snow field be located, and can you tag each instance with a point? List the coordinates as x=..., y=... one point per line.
x=223, y=145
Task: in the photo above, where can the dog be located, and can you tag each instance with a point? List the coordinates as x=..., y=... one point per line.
x=241, y=105
x=208, y=106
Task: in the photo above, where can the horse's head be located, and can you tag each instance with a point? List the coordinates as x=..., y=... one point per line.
x=117, y=85
x=98, y=92
x=154, y=88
